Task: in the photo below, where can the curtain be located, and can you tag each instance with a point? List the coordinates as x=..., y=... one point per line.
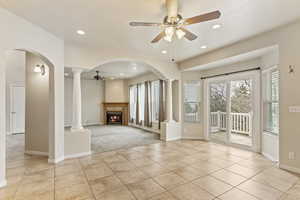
x=137, y=112
x=148, y=105
x=161, y=117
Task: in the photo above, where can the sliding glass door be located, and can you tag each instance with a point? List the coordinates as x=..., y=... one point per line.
x=231, y=104
x=218, y=111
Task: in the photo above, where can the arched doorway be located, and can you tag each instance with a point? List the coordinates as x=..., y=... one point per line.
x=109, y=96
x=41, y=109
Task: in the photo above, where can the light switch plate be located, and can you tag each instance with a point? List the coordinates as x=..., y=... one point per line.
x=294, y=109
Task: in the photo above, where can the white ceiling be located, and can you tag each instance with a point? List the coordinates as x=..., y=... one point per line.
x=117, y=70
x=106, y=22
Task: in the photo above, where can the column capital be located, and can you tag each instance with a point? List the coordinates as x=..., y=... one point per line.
x=76, y=70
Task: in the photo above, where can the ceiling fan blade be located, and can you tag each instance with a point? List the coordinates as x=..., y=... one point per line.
x=189, y=35
x=203, y=18
x=144, y=24
x=158, y=37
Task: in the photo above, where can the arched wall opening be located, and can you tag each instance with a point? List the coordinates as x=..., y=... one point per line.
x=38, y=100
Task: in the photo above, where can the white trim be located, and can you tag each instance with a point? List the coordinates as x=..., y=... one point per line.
x=8, y=133
x=192, y=138
x=173, y=139
x=274, y=67
x=57, y=160
x=3, y=183
x=268, y=156
x=291, y=169
x=37, y=153
x=78, y=155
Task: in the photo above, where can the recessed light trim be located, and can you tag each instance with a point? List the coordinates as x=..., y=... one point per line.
x=204, y=47
x=216, y=26
x=80, y=32
x=164, y=51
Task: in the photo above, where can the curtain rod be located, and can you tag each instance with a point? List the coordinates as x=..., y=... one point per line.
x=229, y=73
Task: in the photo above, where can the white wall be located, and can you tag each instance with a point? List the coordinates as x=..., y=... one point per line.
x=116, y=91
x=92, y=93
x=287, y=38
x=37, y=107
x=17, y=33
x=15, y=74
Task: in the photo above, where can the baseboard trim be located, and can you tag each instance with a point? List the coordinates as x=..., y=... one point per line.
x=57, y=160
x=289, y=168
x=36, y=153
x=3, y=183
x=78, y=155
x=192, y=138
x=268, y=156
x=172, y=139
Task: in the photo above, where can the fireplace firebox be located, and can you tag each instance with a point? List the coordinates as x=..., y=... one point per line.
x=114, y=117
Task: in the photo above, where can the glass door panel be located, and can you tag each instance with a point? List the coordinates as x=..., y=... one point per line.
x=218, y=119
x=241, y=109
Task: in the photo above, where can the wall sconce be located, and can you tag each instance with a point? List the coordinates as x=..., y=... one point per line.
x=291, y=69
x=40, y=69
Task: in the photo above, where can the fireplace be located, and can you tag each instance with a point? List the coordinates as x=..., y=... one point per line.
x=114, y=117
x=116, y=113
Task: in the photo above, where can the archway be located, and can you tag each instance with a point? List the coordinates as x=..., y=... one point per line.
x=49, y=145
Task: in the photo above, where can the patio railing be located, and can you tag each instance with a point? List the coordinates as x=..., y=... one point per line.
x=240, y=122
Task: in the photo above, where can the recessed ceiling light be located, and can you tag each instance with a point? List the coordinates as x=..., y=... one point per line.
x=66, y=74
x=134, y=68
x=80, y=32
x=216, y=26
x=164, y=52
x=203, y=47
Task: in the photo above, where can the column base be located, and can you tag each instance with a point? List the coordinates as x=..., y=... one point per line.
x=77, y=143
x=3, y=183
x=170, y=130
x=81, y=129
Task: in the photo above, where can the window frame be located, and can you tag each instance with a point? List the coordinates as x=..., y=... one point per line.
x=198, y=103
x=268, y=101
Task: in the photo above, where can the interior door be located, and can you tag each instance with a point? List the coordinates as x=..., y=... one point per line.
x=17, y=109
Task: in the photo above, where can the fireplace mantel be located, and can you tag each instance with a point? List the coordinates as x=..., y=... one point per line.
x=117, y=106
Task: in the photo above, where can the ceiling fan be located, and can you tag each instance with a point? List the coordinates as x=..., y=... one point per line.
x=174, y=23
x=98, y=77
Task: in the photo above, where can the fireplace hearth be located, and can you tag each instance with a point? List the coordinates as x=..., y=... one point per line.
x=114, y=117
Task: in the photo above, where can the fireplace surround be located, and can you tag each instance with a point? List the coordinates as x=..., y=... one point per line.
x=116, y=113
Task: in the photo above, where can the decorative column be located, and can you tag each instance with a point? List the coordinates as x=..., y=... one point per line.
x=76, y=121
x=170, y=100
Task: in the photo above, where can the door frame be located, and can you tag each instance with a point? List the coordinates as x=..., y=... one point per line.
x=256, y=122
x=11, y=87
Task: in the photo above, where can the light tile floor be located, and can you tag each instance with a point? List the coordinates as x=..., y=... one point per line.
x=179, y=170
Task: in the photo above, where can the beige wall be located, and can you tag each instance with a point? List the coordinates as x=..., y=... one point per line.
x=142, y=78
x=37, y=107
x=116, y=90
x=287, y=38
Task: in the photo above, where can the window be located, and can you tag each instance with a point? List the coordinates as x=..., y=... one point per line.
x=192, y=95
x=271, y=101
x=133, y=97
x=155, y=100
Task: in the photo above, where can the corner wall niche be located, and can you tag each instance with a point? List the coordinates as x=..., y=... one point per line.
x=120, y=109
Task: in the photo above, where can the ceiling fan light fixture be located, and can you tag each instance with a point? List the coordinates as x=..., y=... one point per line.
x=180, y=34
x=168, y=38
